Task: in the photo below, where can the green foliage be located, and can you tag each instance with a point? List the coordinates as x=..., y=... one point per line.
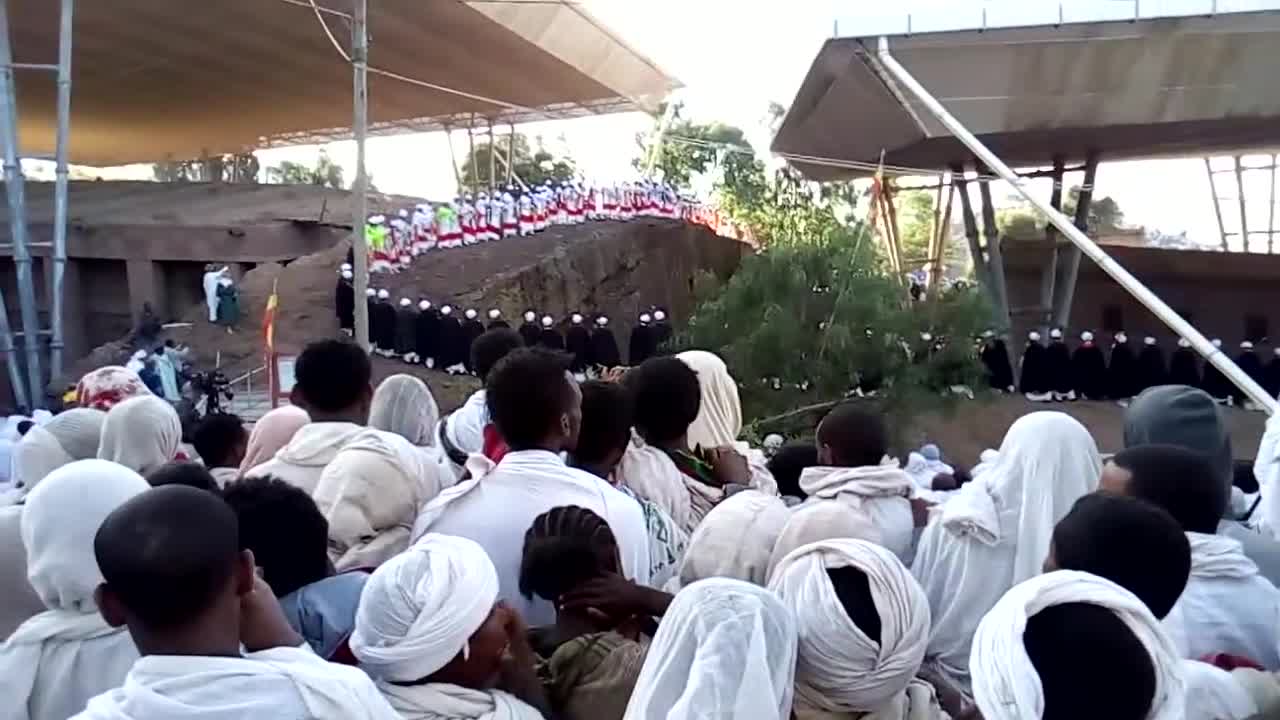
x=241, y=168
x=325, y=173
x=1023, y=222
x=532, y=166
x=915, y=226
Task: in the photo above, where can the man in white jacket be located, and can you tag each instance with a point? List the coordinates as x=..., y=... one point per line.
x=213, y=640
x=332, y=383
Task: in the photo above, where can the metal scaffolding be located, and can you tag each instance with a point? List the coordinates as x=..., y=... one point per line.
x=360, y=128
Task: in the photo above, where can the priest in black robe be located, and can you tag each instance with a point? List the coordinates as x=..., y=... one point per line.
x=529, y=330
x=1184, y=366
x=428, y=333
x=407, y=332
x=1251, y=364
x=1089, y=369
x=453, y=345
x=495, y=320
x=662, y=330
x=344, y=302
x=384, y=322
x=1033, y=382
x=577, y=341
x=549, y=336
x=472, y=328
x=643, y=340
x=1152, y=370
x=604, y=346
x=995, y=357
x=371, y=304
x=1058, y=365
x=1215, y=383
x=1122, y=370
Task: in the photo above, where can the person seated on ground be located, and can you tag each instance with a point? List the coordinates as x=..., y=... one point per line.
x=431, y=632
x=53, y=663
x=536, y=406
x=594, y=651
x=719, y=420
x=661, y=465
x=863, y=624
x=191, y=474
x=289, y=538
x=272, y=432
x=735, y=540
x=996, y=532
x=1142, y=548
x=370, y=494
x=1227, y=606
x=141, y=434
x=786, y=466
x=606, y=431
x=1187, y=417
x=724, y=649
x=1094, y=647
x=108, y=386
x=854, y=468
x=213, y=640
x=815, y=522
x=332, y=384
x=462, y=431
x=221, y=442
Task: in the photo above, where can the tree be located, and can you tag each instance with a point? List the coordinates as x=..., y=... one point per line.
x=1104, y=212
x=325, y=173
x=532, y=166
x=690, y=149
x=231, y=168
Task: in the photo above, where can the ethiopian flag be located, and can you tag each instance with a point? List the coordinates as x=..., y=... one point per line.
x=269, y=320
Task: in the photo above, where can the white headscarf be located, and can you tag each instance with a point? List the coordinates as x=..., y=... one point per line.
x=272, y=432
x=72, y=435
x=819, y=520
x=720, y=416
x=1047, y=461
x=419, y=610
x=371, y=493
x=725, y=649
x=647, y=471
x=141, y=433
x=735, y=540
x=839, y=668
x=404, y=405
x=1005, y=683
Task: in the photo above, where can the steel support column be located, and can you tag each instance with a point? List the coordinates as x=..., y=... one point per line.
x=360, y=129
x=56, y=342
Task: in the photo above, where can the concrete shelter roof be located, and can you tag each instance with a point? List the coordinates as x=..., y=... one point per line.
x=176, y=78
x=1137, y=89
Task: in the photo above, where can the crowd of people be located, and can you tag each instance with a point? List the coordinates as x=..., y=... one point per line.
x=1057, y=373
x=612, y=548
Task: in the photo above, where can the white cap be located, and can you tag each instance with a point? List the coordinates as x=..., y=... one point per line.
x=1121, y=337
x=576, y=318
x=446, y=310
x=495, y=313
x=530, y=316
x=646, y=317
x=547, y=321
x=370, y=292
x=403, y=213
x=1033, y=336
x=346, y=267
x=1183, y=342
x=1276, y=351
x=377, y=219
x=384, y=295
x=1148, y=340
x=602, y=321
x=346, y=275
x=405, y=302
x=1246, y=345
x=424, y=305
x=1086, y=336
x=471, y=313
x=927, y=337
x=1217, y=342
x=989, y=334
x=1056, y=333
x=659, y=315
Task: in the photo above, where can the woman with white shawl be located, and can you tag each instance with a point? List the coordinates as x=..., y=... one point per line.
x=863, y=625
x=404, y=405
x=432, y=635
x=272, y=432
x=56, y=661
x=725, y=649
x=735, y=540
x=141, y=433
x=1070, y=644
x=371, y=493
x=996, y=532
x=719, y=420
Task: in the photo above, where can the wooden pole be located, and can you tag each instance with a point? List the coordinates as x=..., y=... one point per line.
x=471, y=143
x=511, y=148
x=940, y=246
x=995, y=258
x=453, y=159
x=493, y=160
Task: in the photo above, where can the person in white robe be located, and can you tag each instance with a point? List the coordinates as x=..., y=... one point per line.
x=996, y=532
x=724, y=649
x=719, y=420
x=59, y=659
x=430, y=631
x=859, y=651
x=370, y=494
x=404, y=405
x=462, y=431
x=141, y=434
x=272, y=432
x=212, y=276
x=815, y=522
x=1012, y=651
x=735, y=540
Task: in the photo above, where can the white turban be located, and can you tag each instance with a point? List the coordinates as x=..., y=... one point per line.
x=736, y=539
x=818, y=520
x=70, y=436
x=720, y=415
x=420, y=608
x=141, y=433
x=1005, y=683
x=403, y=404
x=724, y=649
x=839, y=668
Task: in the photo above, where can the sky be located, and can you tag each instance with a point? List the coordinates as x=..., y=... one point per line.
x=734, y=57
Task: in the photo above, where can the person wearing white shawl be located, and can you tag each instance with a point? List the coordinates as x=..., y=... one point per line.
x=1227, y=606
x=735, y=540
x=404, y=405
x=816, y=522
x=863, y=625
x=214, y=643
x=996, y=531
x=461, y=432
x=370, y=494
x=1069, y=644
x=719, y=420
x=725, y=649
x=430, y=632
x=141, y=433
x=55, y=661
x=854, y=468
x=332, y=384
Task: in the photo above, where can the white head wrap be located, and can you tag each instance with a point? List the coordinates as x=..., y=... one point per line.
x=404, y=405
x=141, y=434
x=1005, y=683
x=424, y=305
x=347, y=275
x=735, y=539
x=1033, y=336
x=725, y=649
x=1055, y=334
x=61, y=517
x=470, y=313
x=839, y=668
x=819, y=520
x=495, y=313
x=419, y=609
x=529, y=316
x=547, y=321
x=576, y=318
x=659, y=315
x=384, y=295
x=1148, y=340
x=1046, y=462
x=720, y=416
x=1086, y=336
x=71, y=435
